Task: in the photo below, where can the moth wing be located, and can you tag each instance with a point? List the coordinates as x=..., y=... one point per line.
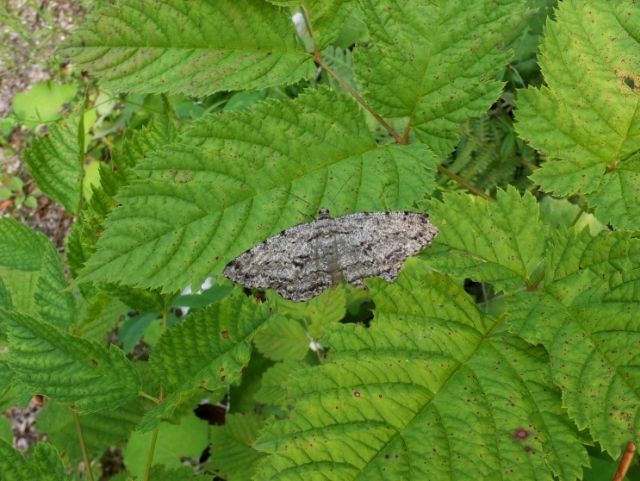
x=286, y=262
x=377, y=244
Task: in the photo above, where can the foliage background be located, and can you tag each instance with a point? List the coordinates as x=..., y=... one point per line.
x=193, y=130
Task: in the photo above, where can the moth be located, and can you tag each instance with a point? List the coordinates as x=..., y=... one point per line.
x=305, y=260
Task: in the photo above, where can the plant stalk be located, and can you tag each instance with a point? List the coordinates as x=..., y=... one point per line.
x=152, y=450
x=317, y=57
x=83, y=446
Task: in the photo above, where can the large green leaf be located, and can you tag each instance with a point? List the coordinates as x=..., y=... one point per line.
x=31, y=273
x=67, y=368
x=587, y=117
x=432, y=390
x=588, y=318
x=236, y=178
x=55, y=163
x=499, y=242
x=191, y=47
x=435, y=63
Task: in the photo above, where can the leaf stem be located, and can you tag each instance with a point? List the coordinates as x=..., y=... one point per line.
x=145, y=395
x=317, y=57
x=83, y=446
x=152, y=449
x=464, y=182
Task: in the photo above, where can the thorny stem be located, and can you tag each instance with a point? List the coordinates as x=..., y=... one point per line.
x=83, y=446
x=463, y=182
x=317, y=57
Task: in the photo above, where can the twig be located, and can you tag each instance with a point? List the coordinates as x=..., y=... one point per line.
x=464, y=182
x=625, y=462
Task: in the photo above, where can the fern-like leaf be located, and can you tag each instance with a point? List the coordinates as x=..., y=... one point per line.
x=432, y=390
x=234, y=179
x=435, y=63
x=195, y=48
x=67, y=368
x=589, y=130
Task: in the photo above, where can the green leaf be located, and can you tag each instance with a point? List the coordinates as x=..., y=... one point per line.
x=436, y=63
x=46, y=457
x=429, y=389
x=282, y=338
x=316, y=313
x=187, y=438
x=42, y=103
x=498, y=242
x=46, y=465
x=12, y=392
x=329, y=19
x=273, y=384
x=100, y=430
x=208, y=349
x=54, y=302
x=196, y=48
x=234, y=179
x=137, y=145
x=174, y=406
x=199, y=346
x=87, y=375
x=55, y=164
x=31, y=272
x=588, y=318
x=244, y=393
x=232, y=452
x=590, y=130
